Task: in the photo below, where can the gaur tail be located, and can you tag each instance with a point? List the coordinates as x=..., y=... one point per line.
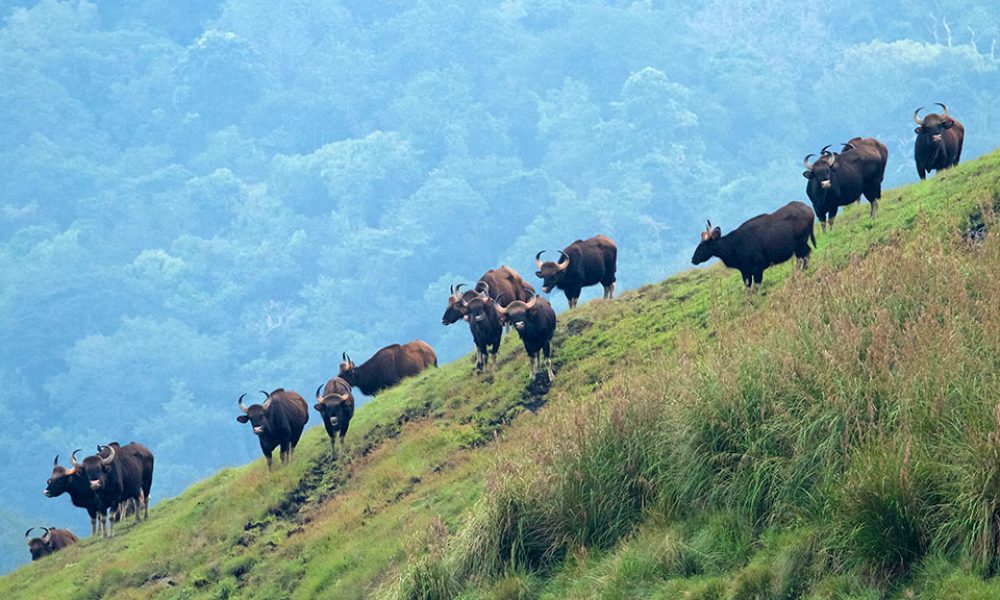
x=812, y=235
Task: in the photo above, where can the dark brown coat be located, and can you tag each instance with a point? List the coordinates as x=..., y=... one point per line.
x=535, y=323
x=762, y=241
x=581, y=264
x=52, y=540
x=388, y=366
x=277, y=423
x=69, y=481
x=839, y=178
x=502, y=282
x=335, y=404
x=939, y=141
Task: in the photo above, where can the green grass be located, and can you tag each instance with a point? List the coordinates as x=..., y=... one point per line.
x=832, y=435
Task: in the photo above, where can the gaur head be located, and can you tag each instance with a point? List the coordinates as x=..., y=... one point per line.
x=823, y=169
x=933, y=125
x=476, y=306
x=95, y=468
x=333, y=406
x=346, y=368
x=256, y=414
x=706, y=249
x=39, y=546
x=515, y=313
x=552, y=273
x=455, y=311
x=60, y=479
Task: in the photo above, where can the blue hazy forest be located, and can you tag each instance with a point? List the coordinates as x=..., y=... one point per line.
x=205, y=198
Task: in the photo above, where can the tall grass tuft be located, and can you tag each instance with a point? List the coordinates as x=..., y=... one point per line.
x=591, y=472
x=884, y=511
x=505, y=532
x=973, y=523
x=426, y=578
x=425, y=575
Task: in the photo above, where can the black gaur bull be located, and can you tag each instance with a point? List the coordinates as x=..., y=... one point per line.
x=838, y=179
x=52, y=540
x=388, y=366
x=336, y=406
x=939, y=141
x=503, y=281
x=277, y=423
x=582, y=263
x=535, y=322
x=68, y=481
x=485, y=325
x=456, y=308
x=145, y=457
x=118, y=474
x=762, y=241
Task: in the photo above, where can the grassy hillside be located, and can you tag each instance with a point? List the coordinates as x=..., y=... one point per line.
x=835, y=435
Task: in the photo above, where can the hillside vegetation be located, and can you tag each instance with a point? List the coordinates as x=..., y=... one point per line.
x=834, y=435
x=226, y=177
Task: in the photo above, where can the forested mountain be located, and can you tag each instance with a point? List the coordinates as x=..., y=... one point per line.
x=203, y=198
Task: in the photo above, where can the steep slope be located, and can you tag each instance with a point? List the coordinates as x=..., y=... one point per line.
x=586, y=497
x=836, y=437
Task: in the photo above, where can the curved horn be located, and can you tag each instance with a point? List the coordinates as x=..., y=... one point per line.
x=72, y=458
x=944, y=107
x=805, y=162
x=318, y=390
x=240, y=402
x=848, y=146
x=55, y=463
x=458, y=290
x=529, y=304
x=538, y=258
x=47, y=536
x=343, y=357
x=341, y=397
x=27, y=538
x=111, y=456
x=563, y=265
x=917, y=119
x=486, y=288
x=496, y=304
x=267, y=402
x=266, y=395
x=825, y=149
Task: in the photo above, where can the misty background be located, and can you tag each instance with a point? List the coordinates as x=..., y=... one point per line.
x=206, y=198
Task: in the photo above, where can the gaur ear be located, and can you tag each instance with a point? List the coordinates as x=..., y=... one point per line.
x=317, y=406
x=242, y=418
x=807, y=174
x=918, y=130
x=716, y=233
x=948, y=124
x=538, y=273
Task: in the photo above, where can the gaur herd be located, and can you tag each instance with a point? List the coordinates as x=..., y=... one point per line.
x=118, y=478
x=834, y=179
